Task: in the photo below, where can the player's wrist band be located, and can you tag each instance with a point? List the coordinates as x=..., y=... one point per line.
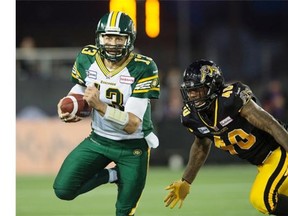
x=117, y=116
x=186, y=181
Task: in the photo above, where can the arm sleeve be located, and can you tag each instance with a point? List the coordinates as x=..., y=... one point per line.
x=77, y=89
x=148, y=84
x=83, y=61
x=137, y=106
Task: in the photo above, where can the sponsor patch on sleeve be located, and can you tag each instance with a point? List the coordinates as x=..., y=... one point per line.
x=203, y=130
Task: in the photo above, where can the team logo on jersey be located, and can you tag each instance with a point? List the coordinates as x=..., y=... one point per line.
x=154, y=83
x=126, y=79
x=226, y=121
x=246, y=95
x=91, y=74
x=203, y=130
x=137, y=152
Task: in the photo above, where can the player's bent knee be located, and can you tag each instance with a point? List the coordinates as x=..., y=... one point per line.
x=64, y=194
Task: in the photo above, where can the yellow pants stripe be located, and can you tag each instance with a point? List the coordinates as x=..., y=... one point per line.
x=274, y=182
x=270, y=181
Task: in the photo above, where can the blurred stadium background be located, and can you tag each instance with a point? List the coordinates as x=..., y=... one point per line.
x=247, y=39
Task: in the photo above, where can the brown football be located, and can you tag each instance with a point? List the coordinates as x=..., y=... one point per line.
x=76, y=105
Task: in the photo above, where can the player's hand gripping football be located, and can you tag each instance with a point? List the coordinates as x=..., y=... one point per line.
x=179, y=191
x=66, y=117
x=92, y=96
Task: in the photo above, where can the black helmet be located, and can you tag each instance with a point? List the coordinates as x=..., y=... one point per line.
x=115, y=23
x=205, y=75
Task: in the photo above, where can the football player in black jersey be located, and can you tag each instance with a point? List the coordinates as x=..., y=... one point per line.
x=229, y=116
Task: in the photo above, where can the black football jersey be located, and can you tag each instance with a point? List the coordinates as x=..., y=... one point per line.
x=228, y=129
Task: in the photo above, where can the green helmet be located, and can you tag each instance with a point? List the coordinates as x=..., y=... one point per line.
x=115, y=23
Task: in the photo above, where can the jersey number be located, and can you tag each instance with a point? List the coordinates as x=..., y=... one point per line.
x=236, y=137
x=89, y=50
x=116, y=97
x=112, y=94
x=227, y=91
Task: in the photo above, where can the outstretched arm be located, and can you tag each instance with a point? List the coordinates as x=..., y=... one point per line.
x=198, y=155
x=180, y=189
x=266, y=122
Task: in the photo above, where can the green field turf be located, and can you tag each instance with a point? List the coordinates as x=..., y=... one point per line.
x=218, y=190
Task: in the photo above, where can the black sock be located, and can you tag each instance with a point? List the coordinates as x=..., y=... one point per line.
x=282, y=206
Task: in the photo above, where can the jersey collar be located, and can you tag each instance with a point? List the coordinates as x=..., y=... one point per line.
x=214, y=126
x=109, y=73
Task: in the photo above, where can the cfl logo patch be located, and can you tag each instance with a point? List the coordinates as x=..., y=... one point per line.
x=91, y=74
x=203, y=130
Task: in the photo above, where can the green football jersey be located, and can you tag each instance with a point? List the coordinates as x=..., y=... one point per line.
x=137, y=77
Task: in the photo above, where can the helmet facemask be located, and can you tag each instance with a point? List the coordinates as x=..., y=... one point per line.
x=202, y=82
x=113, y=53
x=202, y=98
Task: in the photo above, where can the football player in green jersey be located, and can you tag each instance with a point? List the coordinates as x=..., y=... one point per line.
x=229, y=116
x=118, y=84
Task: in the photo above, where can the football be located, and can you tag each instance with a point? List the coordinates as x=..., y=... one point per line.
x=75, y=105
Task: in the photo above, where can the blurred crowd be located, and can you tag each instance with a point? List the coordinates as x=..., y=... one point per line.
x=246, y=39
x=28, y=67
x=273, y=94
x=274, y=100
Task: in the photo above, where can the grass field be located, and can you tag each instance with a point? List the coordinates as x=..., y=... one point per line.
x=218, y=190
